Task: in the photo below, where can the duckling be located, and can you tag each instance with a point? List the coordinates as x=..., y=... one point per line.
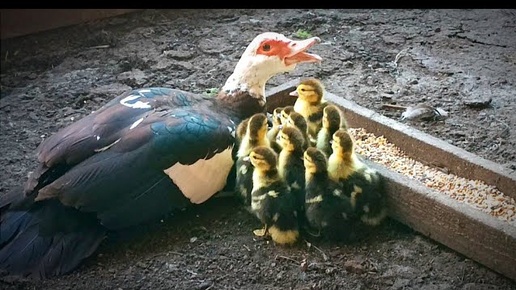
x=285, y=113
x=297, y=120
x=241, y=129
x=276, y=126
x=332, y=120
x=310, y=103
x=272, y=202
x=254, y=135
x=365, y=186
x=327, y=209
x=290, y=163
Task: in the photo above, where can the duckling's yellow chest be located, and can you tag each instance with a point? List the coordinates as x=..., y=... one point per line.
x=283, y=159
x=311, y=114
x=341, y=168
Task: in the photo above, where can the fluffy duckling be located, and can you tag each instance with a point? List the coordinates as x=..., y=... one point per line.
x=365, y=186
x=328, y=210
x=310, y=103
x=272, y=201
x=254, y=135
x=241, y=129
x=332, y=120
x=273, y=131
x=290, y=163
x=285, y=112
x=297, y=120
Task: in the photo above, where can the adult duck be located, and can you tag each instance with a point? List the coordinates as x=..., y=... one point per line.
x=143, y=154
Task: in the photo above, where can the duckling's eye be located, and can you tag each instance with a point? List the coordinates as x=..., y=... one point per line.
x=266, y=47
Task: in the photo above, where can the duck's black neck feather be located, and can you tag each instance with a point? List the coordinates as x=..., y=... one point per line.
x=240, y=104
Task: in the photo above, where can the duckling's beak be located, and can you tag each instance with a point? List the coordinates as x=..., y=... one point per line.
x=294, y=93
x=297, y=51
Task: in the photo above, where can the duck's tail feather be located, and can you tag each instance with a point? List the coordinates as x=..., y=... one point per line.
x=47, y=240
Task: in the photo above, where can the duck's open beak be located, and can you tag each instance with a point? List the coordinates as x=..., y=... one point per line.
x=298, y=54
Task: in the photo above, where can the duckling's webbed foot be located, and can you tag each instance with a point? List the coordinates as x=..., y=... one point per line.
x=261, y=232
x=312, y=233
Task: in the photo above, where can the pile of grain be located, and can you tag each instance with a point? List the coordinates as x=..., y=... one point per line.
x=473, y=192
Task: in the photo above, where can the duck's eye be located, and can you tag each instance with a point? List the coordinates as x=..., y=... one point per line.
x=266, y=47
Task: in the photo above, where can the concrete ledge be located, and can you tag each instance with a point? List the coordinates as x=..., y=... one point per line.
x=475, y=234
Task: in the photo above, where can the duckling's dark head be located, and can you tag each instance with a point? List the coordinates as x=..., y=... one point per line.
x=242, y=129
x=331, y=118
x=315, y=160
x=342, y=142
x=257, y=126
x=310, y=90
x=263, y=158
x=276, y=116
x=295, y=119
x=290, y=138
x=285, y=112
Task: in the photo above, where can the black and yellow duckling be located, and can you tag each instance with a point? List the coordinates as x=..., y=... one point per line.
x=332, y=120
x=290, y=163
x=297, y=120
x=241, y=129
x=254, y=135
x=310, y=103
x=285, y=112
x=272, y=202
x=365, y=186
x=276, y=126
x=327, y=209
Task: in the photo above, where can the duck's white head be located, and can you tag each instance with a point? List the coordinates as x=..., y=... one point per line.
x=267, y=55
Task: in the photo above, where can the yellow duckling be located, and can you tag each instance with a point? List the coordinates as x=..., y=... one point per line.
x=254, y=135
x=310, y=103
x=365, y=186
x=272, y=202
x=328, y=210
x=297, y=120
x=276, y=126
x=290, y=163
x=332, y=120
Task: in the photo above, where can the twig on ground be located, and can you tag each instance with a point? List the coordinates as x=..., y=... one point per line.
x=288, y=258
x=390, y=106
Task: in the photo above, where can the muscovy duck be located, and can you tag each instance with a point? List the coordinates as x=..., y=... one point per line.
x=140, y=156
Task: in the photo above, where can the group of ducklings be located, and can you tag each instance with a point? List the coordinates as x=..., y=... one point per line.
x=302, y=174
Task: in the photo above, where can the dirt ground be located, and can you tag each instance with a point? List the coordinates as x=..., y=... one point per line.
x=446, y=58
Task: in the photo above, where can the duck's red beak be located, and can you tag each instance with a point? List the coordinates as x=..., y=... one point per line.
x=297, y=51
